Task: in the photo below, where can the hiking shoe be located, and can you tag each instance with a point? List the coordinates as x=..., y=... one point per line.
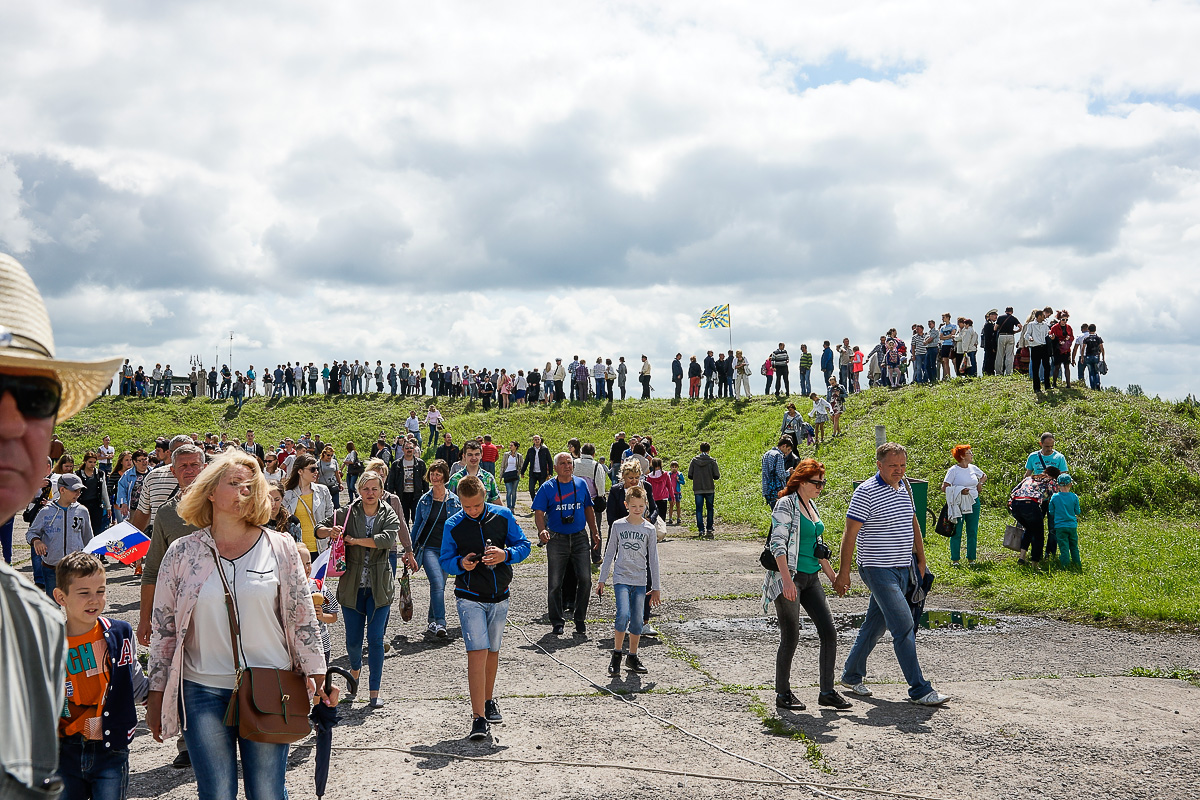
x=441, y=632
x=491, y=711
x=479, y=729
x=832, y=698
x=182, y=760
x=859, y=689
x=614, y=665
x=931, y=699
x=558, y=629
x=789, y=702
x=634, y=664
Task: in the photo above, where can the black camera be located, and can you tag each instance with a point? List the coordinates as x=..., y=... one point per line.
x=568, y=519
x=821, y=550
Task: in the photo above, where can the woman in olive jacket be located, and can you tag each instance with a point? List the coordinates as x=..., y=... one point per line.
x=366, y=588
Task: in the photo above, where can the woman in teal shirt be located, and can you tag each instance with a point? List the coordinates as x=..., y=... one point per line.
x=800, y=557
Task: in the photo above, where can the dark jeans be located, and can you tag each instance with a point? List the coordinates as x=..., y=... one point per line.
x=811, y=596
x=708, y=387
x=989, y=361
x=569, y=551
x=806, y=384
x=558, y=392
x=678, y=388
x=768, y=389
x=536, y=479
x=88, y=769
x=702, y=499
x=408, y=503
x=1029, y=514
x=782, y=381
x=1039, y=366
x=6, y=533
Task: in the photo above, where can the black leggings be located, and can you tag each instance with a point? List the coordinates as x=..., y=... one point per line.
x=1031, y=517
x=811, y=596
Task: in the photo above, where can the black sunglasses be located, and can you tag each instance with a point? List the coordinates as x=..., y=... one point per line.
x=818, y=484
x=37, y=396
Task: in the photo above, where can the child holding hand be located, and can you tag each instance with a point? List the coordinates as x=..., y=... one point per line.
x=632, y=557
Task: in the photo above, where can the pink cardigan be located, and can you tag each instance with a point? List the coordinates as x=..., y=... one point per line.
x=184, y=569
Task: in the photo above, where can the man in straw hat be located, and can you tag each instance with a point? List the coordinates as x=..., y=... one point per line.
x=36, y=389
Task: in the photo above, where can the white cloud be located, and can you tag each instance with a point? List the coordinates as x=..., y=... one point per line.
x=473, y=183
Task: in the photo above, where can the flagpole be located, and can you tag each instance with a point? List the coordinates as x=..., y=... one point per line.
x=731, y=327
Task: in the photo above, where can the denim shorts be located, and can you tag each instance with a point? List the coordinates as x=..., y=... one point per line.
x=482, y=624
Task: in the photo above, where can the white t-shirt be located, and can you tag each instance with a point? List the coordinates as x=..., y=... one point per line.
x=966, y=477
x=275, y=477
x=106, y=453
x=254, y=582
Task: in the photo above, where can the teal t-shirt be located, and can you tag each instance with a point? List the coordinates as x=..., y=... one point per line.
x=1055, y=459
x=1064, y=510
x=806, y=563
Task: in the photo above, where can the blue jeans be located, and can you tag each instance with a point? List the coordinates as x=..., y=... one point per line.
x=89, y=769
x=701, y=500
x=630, y=600
x=510, y=494
x=1093, y=368
x=599, y=388
x=805, y=382
x=214, y=748
x=931, y=365
x=918, y=363
x=437, y=585
x=374, y=620
x=482, y=624
x=888, y=610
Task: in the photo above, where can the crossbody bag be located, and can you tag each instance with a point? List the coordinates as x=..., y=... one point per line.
x=268, y=705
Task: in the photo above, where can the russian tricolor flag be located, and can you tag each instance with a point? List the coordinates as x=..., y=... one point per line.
x=320, y=567
x=123, y=542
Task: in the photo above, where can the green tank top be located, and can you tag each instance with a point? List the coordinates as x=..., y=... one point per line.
x=806, y=563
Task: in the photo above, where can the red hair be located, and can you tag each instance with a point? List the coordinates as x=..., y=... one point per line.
x=960, y=451
x=805, y=471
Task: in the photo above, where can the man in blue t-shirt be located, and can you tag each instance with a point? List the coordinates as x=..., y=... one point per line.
x=562, y=508
x=1047, y=456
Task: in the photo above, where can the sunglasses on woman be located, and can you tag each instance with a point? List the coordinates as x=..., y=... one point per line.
x=818, y=484
x=37, y=396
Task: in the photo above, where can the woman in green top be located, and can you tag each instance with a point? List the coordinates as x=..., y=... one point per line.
x=366, y=588
x=800, y=557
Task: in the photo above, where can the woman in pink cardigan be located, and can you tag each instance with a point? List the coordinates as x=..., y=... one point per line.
x=192, y=671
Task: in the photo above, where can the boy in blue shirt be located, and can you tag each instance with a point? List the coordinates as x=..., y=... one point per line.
x=1064, y=511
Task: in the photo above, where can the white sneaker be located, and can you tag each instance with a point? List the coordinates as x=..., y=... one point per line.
x=441, y=632
x=931, y=699
x=647, y=630
x=859, y=689
x=432, y=629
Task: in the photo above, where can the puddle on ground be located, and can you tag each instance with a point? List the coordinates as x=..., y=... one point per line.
x=933, y=621
x=937, y=620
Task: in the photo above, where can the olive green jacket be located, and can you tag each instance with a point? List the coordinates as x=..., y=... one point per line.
x=379, y=568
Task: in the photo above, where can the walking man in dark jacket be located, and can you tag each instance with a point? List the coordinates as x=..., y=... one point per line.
x=538, y=464
x=479, y=547
x=703, y=473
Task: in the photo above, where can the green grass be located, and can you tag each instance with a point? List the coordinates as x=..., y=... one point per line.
x=777, y=727
x=1136, y=461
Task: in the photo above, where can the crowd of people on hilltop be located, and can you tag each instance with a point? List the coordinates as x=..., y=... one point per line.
x=1044, y=346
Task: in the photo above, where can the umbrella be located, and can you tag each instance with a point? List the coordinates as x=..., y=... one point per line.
x=324, y=719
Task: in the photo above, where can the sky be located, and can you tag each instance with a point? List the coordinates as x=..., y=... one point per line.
x=501, y=184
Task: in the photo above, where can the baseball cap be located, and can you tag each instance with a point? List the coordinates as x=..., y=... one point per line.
x=70, y=482
x=1065, y=480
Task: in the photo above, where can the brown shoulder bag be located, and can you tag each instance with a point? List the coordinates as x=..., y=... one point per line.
x=268, y=705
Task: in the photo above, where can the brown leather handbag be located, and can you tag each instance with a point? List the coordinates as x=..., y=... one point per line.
x=268, y=705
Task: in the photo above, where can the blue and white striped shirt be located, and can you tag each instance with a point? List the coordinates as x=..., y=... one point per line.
x=886, y=514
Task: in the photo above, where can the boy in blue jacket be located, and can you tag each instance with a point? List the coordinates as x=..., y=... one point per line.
x=104, y=683
x=479, y=546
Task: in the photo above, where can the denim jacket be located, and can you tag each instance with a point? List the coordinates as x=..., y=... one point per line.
x=424, y=508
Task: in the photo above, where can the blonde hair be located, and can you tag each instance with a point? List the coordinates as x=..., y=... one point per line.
x=376, y=465
x=195, y=508
x=631, y=465
x=370, y=475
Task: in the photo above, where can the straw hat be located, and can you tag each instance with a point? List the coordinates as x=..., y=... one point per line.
x=27, y=341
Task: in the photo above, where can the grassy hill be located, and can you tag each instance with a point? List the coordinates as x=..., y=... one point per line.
x=1135, y=460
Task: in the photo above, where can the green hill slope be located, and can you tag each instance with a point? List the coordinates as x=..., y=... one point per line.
x=1135, y=461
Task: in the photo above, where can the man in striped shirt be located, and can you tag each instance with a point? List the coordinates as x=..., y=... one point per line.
x=882, y=522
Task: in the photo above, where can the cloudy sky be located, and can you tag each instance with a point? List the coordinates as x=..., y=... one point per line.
x=482, y=183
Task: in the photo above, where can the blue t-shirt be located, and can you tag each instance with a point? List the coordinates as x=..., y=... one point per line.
x=1055, y=459
x=1064, y=509
x=561, y=501
x=949, y=329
